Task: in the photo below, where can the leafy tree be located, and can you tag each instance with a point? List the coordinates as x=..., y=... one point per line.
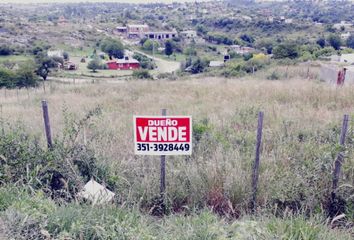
x=145, y=62
x=334, y=41
x=321, y=42
x=286, y=50
x=25, y=76
x=113, y=47
x=199, y=65
x=267, y=45
x=168, y=48
x=43, y=72
x=247, y=38
x=7, y=78
x=5, y=50
x=350, y=41
x=94, y=64
x=66, y=56
x=149, y=45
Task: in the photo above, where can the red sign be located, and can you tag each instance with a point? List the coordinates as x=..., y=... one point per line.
x=171, y=135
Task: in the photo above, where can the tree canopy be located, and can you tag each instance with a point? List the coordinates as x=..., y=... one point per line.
x=113, y=47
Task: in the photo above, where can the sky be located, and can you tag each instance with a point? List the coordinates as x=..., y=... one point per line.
x=70, y=1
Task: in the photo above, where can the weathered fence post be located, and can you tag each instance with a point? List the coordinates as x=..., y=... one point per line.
x=340, y=157
x=163, y=168
x=47, y=123
x=256, y=162
x=2, y=121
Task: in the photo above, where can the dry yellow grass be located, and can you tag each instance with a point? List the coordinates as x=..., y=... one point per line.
x=221, y=163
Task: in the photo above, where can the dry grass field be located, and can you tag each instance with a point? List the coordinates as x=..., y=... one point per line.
x=301, y=133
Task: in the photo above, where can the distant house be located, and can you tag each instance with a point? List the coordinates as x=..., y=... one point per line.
x=288, y=21
x=62, y=20
x=123, y=64
x=188, y=34
x=345, y=36
x=241, y=50
x=121, y=30
x=342, y=24
x=137, y=30
x=161, y=35
x=55, y=53
x=347, y=58
x=216, y=64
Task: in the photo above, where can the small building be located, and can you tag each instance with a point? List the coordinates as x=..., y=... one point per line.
x=137, y=30
x=288, y=21
x=121, y=30
x=216, y=64
x=55, y=53
x=123, y=64
x=161, y=35
x=189, y=34
x=347, y=58
x=345, y=36
x=62, y=20
x=241, y=50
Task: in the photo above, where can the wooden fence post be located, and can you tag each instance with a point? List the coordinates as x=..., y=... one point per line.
x=2, y=121
x=47, y=123
x=256, y=162
x=163, y=168
x=340, y=157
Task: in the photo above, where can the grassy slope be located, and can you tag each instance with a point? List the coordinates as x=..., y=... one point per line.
x=300, y=135
x=34, y=217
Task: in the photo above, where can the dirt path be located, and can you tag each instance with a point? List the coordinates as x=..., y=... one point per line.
x=163, y=66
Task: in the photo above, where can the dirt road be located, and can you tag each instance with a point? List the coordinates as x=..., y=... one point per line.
x=163, y=66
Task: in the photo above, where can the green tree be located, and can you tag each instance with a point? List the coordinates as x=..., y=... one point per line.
x=350, y=41
x=321, y=42
x=7, y=78
x=286, y=50
x=94, y=64
x=113, y=47
x=5, y=50
x=66, y=56
x=43, y=72
x=199, y=65
x=168, y=48
x=149, y=45
x=334, y=41
x=26, y=77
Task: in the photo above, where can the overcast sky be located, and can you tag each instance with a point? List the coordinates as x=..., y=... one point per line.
x=68, y=1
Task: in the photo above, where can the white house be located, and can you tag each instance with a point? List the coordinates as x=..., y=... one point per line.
x=345, y=36
x=347, y=58
x=55, y=53
x=189, y=34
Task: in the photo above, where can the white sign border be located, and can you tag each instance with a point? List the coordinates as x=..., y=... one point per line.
x=163, y=153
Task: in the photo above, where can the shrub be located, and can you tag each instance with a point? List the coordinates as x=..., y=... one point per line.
x=113, y=47
x=274, y=76
x=286, y=50
x=142, y=74
x=150, y=45
x=145, y=62
x=5, y=50
x=334, y=41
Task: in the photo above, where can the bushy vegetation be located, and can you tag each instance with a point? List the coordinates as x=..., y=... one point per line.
x=113, y=47
x=23, y=77
x=142, y=74
x=96, y=64
x=145, y=62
